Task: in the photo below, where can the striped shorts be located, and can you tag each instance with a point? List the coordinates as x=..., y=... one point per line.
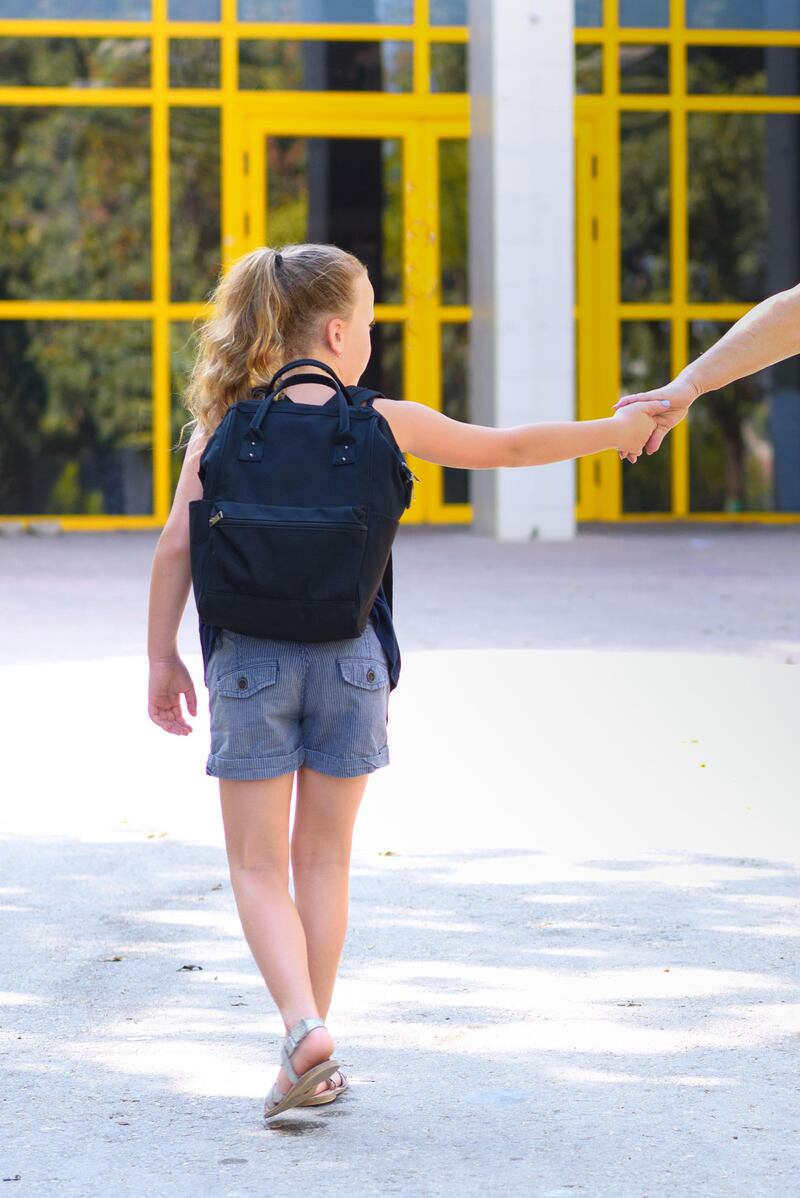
x=276, y=705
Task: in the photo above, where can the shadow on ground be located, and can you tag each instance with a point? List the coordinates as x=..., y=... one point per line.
x=575, y=1020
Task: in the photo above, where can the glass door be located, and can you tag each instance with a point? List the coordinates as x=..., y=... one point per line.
x=370, y=187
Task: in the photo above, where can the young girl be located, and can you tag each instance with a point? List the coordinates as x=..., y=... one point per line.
x=322, y=713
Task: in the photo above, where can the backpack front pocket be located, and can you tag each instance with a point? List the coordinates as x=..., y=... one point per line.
x=286, y=554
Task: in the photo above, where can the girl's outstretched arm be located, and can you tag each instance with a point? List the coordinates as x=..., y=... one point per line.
x=431, y=435
x=170, y=583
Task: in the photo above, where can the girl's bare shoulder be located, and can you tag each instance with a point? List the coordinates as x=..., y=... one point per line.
x=397, y=414
x=427, y=433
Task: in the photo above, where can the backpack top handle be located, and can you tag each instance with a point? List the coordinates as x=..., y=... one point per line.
x=252, y=446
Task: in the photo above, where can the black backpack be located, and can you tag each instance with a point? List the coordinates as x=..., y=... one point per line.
x=301, y=503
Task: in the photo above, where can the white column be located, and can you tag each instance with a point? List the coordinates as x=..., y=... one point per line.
x=521, y=255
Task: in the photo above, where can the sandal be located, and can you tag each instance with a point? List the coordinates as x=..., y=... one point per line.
x=276, y=1101
x=327, y=1095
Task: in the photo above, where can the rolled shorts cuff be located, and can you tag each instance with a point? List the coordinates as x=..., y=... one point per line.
x=345, y=767
x=249, y=769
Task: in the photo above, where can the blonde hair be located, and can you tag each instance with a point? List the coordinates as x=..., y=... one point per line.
x=269, y=308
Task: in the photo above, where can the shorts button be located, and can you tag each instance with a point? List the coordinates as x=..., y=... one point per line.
x=242, y=684
x=370, y=675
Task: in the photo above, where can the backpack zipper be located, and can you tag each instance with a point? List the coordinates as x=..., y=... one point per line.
x=335, y=524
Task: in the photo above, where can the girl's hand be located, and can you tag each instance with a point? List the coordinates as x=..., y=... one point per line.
x=169, y=679
x=637, y=423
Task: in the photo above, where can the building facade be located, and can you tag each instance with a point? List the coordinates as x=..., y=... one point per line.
x=146, y=143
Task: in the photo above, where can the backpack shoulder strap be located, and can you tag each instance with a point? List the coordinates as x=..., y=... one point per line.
x=363, y=396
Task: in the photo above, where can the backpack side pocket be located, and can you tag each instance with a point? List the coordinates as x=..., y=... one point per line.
x=199, y=514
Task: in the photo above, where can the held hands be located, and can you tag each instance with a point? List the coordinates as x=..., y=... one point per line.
x=638, y=421
x=676, y=398
x=169, y=679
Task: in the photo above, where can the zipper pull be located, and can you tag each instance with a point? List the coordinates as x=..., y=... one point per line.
x=215, y=519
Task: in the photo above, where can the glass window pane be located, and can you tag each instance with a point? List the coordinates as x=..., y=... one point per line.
x=743, y=14
x=81, y=231
x=453, y=198
x=743, y=179
x=455, y=362
x=744, y=70
x=194, y=10
x=588, y=70
x=193, y=62
x=644, y=69
x=745, y=439
x=645, y=346
x=358, y=12
x=76, y=10
x=346, y=191
x=589, y=14
x=644, y=206
x=74, y=62
x=326, y=66
x=194, y=136
x=385, y=370
x=448, y=12
x=644, y=14
x=449, y=67
x=183, y=350
x=76, y=417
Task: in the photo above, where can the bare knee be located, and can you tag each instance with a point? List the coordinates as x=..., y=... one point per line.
x=320, y=856
x=253, y=869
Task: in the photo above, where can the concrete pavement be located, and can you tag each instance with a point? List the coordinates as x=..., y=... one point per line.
x=583, y=858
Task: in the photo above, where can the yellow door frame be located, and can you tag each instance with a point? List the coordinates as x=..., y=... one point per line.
x=597, y=285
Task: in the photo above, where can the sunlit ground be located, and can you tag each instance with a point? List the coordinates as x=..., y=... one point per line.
x=573, y=750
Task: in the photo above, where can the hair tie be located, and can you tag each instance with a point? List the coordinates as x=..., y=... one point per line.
x=279, y=259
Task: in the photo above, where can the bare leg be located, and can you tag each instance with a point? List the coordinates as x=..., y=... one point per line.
x=255, y=816
x=322, y=838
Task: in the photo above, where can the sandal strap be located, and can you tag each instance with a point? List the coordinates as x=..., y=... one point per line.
x=293, y=1039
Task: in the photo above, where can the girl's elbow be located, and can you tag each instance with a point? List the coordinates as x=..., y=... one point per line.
x=174, y=541
x=511, y=450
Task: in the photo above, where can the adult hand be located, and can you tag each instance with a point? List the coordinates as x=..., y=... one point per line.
x=169, y=679
x=676, y=399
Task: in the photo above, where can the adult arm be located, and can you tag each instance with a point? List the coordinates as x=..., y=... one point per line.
x=768, y=333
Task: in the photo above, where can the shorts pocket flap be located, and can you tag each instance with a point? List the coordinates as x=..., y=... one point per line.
x=366, y=672
x=245, y=681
